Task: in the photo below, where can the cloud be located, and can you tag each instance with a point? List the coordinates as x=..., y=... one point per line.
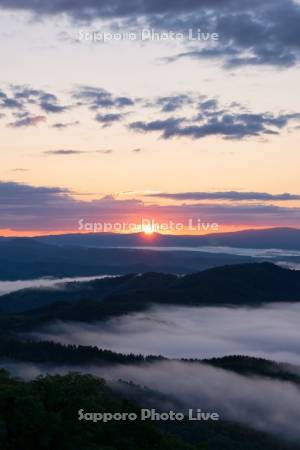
x=64, y=125
x=29, y=105
x=269, y=332
x=187, y=332
x=105, y=152
x=97, y=98
x=10, y=103
x=268, y=405
x=16, y=193
x=108, y=119
x=25, y=207
x=93, y=9
x=210, y=104
x=52, y=208
x=52, y=107
x=67, y=152
x=173, y=103
x=229, y=124
x=6, y=287
x=47, y=101
x=251, y=33
x=28, y=122
x=63, y=152
x=229, y=195
x=169, y=126
x=203, y=116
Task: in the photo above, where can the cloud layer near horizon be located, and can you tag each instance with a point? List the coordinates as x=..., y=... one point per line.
x=229, y=195
x=25, y=207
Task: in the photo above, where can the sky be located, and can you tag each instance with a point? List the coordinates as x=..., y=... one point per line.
x=114, y=112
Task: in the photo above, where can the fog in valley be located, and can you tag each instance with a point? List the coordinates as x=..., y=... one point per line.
x=270, y=331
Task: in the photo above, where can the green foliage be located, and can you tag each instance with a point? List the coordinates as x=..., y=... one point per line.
x=43, y=414
x=53, y=352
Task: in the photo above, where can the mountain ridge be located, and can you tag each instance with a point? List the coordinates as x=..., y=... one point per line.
x=277, y=237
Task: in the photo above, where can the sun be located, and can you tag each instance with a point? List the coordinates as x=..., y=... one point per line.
x=148, y=230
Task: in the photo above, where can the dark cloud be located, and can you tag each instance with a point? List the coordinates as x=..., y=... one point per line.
x=123, y=101
x=204, y=116
x=173, y=103
x=231, y=195
x=21, y=99
x=24, y=207
x=168, y=127
x=108, y=119
x=210, y=104
x=252, y=32
x=63, y=152
x=10, y=103
x=49, y=103
x=52, y=107
x=63, y=125
x=29, y=207
x=16, y=194
x=211, y=118
x=28, y=122
x=97, y=98
x=69, y=152
x=212, y=122
x=92, y=9
x=105, y=152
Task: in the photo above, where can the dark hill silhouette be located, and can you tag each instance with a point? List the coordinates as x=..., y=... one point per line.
x=247, y=284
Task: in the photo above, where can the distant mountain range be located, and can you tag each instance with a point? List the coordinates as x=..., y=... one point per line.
x=26, y=258
x=281, y=238
x=74, y=255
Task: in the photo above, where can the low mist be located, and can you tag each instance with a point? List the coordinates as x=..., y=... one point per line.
x=270, y=332
x=7, y=287
x=264, y=404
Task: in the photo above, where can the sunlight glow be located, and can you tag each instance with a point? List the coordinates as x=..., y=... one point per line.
x=148, y=230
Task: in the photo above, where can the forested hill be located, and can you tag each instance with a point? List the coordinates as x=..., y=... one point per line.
x=247, y=284
x=56, y=354
x=43, y=414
